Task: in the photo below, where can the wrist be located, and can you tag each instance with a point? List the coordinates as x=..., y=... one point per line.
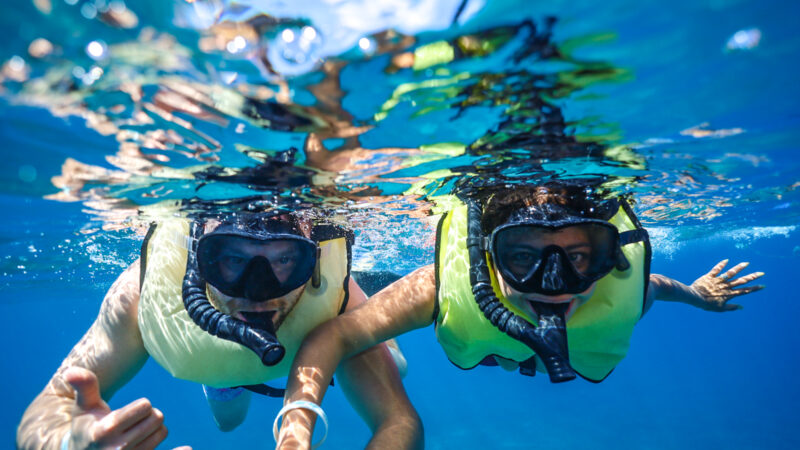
x=292, y=413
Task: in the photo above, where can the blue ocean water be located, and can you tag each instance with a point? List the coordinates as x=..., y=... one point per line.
x=710, y=135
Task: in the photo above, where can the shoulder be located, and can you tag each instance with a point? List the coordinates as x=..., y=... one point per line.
x=121, y=302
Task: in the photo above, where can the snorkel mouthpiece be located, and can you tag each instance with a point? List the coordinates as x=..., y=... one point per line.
x=548, y=339
x=261, y=342
x=551, y=340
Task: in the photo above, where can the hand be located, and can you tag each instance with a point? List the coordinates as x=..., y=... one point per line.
x=95, y=426
x=714, y=291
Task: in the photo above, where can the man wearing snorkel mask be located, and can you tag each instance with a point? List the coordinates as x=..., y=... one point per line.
x=223, y=301
x=540, y=279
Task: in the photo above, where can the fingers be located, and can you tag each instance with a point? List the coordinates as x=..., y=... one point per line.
x=734, y=270
x=747, y=290
x=745, y=279
x=145, y=429
x=87, y=389
x=132, y=423
x=152, y=441
x=731, y=307
x=718, y=268
x=128, y=416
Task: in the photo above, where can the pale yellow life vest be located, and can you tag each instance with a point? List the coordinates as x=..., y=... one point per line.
x=186, y=351
x=598, y=333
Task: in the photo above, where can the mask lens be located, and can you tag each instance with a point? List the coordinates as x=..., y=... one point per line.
x=236, y=264
x=589, y=248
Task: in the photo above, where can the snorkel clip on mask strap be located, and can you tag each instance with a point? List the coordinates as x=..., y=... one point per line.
x=223, y=326
x=548, y=339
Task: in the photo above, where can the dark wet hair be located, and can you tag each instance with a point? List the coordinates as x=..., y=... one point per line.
x=571, y=198
x=273, y=222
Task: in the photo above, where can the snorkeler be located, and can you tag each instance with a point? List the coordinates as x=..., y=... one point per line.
x=224, y=302
x=540, y=279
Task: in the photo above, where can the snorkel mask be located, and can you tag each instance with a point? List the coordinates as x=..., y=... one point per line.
x=523, y=252
x=256, y=265
x=253, y=258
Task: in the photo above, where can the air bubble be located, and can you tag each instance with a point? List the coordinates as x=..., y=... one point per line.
x=97, y=50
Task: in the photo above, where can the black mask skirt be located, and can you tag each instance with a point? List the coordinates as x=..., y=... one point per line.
x=530, y=261
x=257, y=267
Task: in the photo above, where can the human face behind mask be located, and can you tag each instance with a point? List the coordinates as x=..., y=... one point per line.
x=520, y=248
x=257, y=279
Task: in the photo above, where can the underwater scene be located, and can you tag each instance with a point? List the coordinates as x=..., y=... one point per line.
x=383, y=126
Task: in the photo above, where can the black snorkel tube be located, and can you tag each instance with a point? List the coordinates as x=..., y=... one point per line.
x=548, y=339
x=216, y=323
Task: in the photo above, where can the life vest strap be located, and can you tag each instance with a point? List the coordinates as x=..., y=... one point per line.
x=267, y=390
x=528, y=367
x=264, y=389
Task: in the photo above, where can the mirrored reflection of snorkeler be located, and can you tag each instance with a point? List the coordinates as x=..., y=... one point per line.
x=226, y=302
x=535, y=278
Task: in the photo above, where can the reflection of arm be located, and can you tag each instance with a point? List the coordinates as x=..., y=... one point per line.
x=403, y=306
x=112, y=349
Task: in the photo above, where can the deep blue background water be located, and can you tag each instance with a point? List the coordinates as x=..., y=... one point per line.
x=692, y=379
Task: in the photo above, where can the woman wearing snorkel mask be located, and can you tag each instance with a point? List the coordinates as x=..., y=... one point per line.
x=540, y=279
x=225, y=301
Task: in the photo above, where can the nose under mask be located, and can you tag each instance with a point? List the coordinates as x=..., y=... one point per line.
x=552, y=275
x=259, y=280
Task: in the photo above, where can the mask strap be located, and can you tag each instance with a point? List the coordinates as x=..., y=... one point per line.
x=316, y=278
x=625, y=238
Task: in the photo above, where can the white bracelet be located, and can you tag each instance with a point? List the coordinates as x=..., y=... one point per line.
x=305, y=405
x=65, y=440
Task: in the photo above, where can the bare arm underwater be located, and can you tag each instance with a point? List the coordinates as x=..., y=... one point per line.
x=710, y=292
x=405, y=305
x=408, y=304
x=107, y=357
x=112, y=352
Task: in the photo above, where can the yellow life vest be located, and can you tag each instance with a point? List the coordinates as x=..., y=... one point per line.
x=186, y=351
x=598, y=333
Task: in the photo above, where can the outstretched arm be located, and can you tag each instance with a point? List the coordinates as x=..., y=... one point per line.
x=710, y=292
x=403, y=306
x=372, y=383
x=107, y=356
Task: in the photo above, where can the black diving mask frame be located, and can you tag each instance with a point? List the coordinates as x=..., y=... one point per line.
x=256, y=266
x=553, y=270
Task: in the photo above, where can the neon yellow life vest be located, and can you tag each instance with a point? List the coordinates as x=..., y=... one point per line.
x=598, y=333
x=186, y=351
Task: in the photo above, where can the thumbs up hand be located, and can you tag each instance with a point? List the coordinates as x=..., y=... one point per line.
x=136, y=425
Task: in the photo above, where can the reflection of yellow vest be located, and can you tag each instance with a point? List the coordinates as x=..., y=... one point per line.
x=598, y=333
x=186, y=351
